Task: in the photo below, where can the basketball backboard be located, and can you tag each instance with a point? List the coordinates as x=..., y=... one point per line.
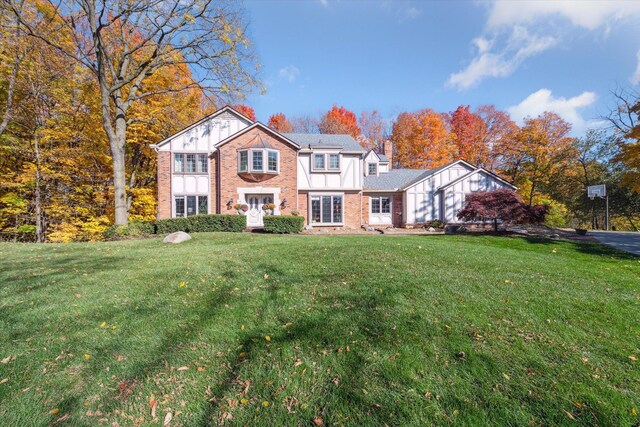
x=594, y=191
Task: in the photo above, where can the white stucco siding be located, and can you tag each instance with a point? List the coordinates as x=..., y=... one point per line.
x=204, y=136
x=349, y=177
x=425, y=202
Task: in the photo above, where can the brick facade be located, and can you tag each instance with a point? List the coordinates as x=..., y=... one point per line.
x=225, y=162
x=164, y=185
x=351, y=213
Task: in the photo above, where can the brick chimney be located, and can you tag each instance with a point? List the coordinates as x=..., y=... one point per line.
x=387, y=150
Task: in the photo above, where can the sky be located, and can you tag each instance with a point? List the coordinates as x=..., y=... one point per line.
x=395, y=56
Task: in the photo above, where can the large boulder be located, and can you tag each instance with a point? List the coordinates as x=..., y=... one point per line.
x=177, y=237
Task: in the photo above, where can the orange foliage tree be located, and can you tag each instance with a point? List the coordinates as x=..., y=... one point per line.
x=339, y=120
x=246, y=111
x=279, y=122
x=470, y=131
x=422, y=140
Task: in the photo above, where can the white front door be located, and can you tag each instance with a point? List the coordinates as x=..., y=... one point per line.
x=256, y=211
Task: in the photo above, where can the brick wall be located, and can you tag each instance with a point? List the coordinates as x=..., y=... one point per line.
x=213, y=184
x=396, y=210
x=352, y=217
x=164, y=185
x=387, y=148
x=230, y=181
x=303, y=206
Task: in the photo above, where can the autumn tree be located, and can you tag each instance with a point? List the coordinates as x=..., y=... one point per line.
x=470, y=131
x=246, y=111
x=123, y=44
x=339, y=120
x=279, y=123
x=625, y=120
x=422, y=140
x=539, y=152
x=373, y=129
x=305, y=124
x=502, y=205
x=498, y=134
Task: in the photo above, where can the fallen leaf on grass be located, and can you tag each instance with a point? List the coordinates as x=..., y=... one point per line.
x=7, y=359
x=244, y=401
x=265, y=403
x=167, y=419
x=506, y=377
x=632, y=357
x=569, y=414
x=183, y=284
x=268, y=338
x=54, y=411
x=87, y=356
x=317, y=421
x=183, y=368
x=103, y=324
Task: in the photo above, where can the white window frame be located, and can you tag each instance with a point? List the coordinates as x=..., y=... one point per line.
x=184, y=198
x=246, y=168
x=379, y=198
x=184, y=163
x=325, y=161
x=321, y=195
x=369, y=168
x=265, y=161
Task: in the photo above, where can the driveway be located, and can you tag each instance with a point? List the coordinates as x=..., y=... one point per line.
x=625, y=241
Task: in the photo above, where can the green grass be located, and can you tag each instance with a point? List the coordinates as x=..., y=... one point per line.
x=362, y=331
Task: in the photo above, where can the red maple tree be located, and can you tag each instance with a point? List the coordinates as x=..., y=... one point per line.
x=339, y=120
x=279, y=123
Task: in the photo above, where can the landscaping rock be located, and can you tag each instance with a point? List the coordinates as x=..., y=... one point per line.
x=308, y=227
x=368, y=228
x=431, y=230
x=177, y=237
x=554, y=236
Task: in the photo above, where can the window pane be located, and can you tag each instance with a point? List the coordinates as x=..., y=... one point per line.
x=257, y=161
x=191, y=163
x=334, y=161
x=179, y=163
x=315, y=209
x=386, y=204
x=375, y=205
x=326, y=208
x=337, y=208
x=202, y=163
x=203, y=202
x=373, y=169
x=191, y=205
x=244, y=161
x=179, y=206
x=318, y=160
x=273, y=161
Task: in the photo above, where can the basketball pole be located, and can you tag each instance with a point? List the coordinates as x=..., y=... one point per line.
x=606, y=199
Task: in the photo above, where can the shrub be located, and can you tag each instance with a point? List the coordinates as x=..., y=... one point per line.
x=132, y=230
x=202, y=223
x=295, y=212
x=500, y=205
x=283, y=224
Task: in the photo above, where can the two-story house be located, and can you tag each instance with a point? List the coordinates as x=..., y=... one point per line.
x=226, y=159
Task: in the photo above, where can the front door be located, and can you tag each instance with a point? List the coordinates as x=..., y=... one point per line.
x=256, y=212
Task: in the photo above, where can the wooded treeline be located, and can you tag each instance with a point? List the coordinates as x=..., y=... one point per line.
x=548, y=165
x=87, y=86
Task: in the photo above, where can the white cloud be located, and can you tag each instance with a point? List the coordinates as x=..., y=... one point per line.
x=408, y=13
x=290, y=73
x=324, y=3
x=586, y=14
x=500, y=63
x=635, y=79
x=543, y=100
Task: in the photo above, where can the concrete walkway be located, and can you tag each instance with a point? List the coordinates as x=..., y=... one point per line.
x=625, y=241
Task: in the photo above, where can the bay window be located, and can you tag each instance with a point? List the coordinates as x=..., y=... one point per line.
x=326, y=209
x=258, y=160
x=191, y=205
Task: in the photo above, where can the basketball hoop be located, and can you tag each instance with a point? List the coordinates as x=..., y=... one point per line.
x=600, y=191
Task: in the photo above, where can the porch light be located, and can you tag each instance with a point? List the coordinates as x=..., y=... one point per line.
x=284, y=204
x=230, y=204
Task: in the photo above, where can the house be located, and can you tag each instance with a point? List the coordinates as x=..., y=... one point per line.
x=226, y=159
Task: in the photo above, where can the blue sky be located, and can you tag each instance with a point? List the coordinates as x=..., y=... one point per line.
x=394, y=56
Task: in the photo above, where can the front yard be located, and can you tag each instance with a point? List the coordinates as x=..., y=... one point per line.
x=246, y=329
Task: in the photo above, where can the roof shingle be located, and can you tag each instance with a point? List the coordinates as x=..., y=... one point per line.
x=317, y=140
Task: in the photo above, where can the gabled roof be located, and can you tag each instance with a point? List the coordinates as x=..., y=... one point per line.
x=317, y=140
x=430, y=172
x=225, y=109
x=394, y=180
x=262, y=127
x=473, y=172
x=383, y=158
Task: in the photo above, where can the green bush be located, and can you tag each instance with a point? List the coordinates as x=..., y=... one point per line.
x=202, y=223
x=283, y=224
x=435, y=224
x=132, y=230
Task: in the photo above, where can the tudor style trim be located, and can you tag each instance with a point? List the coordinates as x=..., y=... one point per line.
x=473, y=172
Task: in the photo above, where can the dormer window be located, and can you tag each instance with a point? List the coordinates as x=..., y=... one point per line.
x=373, y=169
x=329, y=162
x=258, y=160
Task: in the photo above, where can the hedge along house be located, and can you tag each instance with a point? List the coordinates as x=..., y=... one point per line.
x=226, y=159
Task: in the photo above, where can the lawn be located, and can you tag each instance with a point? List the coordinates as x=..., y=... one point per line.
x=243, y=329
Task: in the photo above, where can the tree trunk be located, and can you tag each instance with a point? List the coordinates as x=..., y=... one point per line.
x=40, y=236
x=631, y=222
x=119, y=180
x=495, y=224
